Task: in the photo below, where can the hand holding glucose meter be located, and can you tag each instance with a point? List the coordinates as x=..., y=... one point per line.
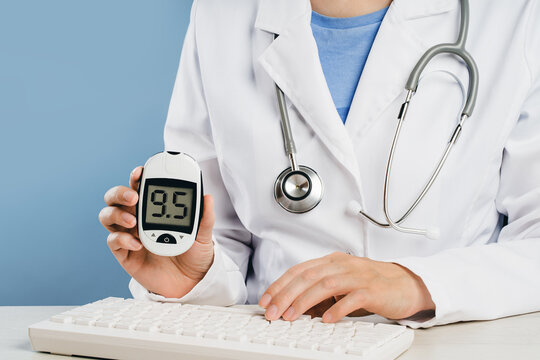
x=170, y=203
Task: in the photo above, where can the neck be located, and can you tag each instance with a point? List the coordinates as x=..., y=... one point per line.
x=348, y=8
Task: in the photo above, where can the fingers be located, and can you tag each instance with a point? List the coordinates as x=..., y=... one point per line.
x=285, y=279
x=358, y=299
x=207, y=222
x=112, y=215
x=319, y=309
x=328, y=286
x=129, y=252
x=135, y=177
x=121, y=244
x=121, y=202
x=359, y=313
x=308, y=289
x=122, y=240
x=121, y=195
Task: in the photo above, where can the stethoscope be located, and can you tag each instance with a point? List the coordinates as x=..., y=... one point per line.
x=299, y=189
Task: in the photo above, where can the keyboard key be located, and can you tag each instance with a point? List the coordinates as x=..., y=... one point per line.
x=263, y=340
x=285, y=342
x=218, y=335
x=325, y=341
x=390, y=331
x=298, y=335
x=85, y=321
x=105, y=324
x=62, y=319
x=193, y=332
x=236, y=337
x=307, y=345
x=280, y=322
x=303, y=326
x=125, y=325
x=254, y=328
x=362, y=324
x=344, y=324
x=171, y=330
x=330, y=348
x=147, y=327
x=361, y=349
x=343, y=334
x=321, y=333
x=232, y=327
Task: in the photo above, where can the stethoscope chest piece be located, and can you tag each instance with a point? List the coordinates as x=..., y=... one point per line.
x=298, y=191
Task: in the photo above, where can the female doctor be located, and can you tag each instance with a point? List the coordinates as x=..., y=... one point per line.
x=468, y=250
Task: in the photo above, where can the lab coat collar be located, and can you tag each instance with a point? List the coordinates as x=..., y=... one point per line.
x=415, y=9
x=292, y=62
x=274, y=15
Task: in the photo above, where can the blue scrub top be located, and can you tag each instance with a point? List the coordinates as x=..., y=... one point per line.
x=344, y=45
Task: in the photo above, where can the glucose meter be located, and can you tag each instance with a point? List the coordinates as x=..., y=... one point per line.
x=170, y=203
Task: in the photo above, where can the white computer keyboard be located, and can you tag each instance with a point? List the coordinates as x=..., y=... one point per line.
x=115, y=328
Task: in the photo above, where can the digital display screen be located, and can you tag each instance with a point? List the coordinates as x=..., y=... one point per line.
x=169, y=205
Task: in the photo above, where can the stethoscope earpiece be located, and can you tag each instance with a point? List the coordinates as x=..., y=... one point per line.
x=354, y=208
x=433, y=234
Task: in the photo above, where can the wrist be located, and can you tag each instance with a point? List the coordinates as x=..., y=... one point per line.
x=420, y=295
x=196, y=268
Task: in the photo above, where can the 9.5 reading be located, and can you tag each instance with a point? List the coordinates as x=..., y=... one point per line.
x=169, y=205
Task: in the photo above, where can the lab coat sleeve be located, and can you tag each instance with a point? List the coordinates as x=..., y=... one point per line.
x=188, y=130
x=503, y=278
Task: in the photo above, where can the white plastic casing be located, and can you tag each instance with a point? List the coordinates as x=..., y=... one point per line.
x=175, y=166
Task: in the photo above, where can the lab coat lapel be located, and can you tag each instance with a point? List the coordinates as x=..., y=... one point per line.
x=394, y=53
x=292, y=62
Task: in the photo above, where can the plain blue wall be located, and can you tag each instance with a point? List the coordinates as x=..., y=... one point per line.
x=84, y=93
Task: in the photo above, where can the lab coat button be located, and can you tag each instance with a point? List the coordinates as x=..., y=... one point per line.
x=166, y=239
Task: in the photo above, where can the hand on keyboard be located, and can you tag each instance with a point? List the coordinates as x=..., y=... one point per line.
x=168, y=276
x=383, y=288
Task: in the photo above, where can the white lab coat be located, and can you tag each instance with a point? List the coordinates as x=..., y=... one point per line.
x=486, y=202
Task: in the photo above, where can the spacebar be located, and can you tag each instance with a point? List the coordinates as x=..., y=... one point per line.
x=228, y=309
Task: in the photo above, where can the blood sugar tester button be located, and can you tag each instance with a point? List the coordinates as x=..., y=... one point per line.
x=166, y=239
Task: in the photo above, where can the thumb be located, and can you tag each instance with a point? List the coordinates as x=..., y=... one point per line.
x=207, y=222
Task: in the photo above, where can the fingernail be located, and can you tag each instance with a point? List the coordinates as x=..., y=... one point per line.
x=289, y=314
x=327, y=317
x=128, y=218
x=135, y=244
x=271, y=312
x=265, y=300
x=129, y=196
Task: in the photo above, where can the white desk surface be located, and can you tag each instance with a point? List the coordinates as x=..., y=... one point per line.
x=515, y=337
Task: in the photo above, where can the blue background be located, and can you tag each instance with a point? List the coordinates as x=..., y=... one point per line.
x=84, y=93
